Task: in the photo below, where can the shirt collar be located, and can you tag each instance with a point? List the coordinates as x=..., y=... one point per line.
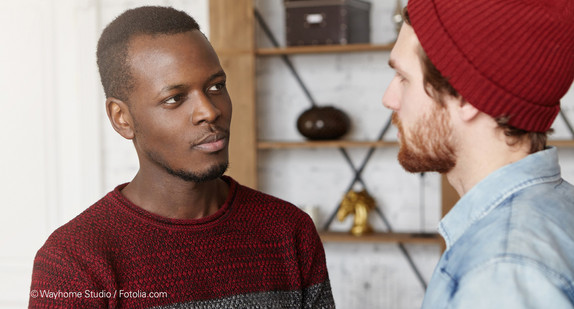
x=536, y=168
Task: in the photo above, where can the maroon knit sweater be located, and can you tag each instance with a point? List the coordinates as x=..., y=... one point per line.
x=257, y=251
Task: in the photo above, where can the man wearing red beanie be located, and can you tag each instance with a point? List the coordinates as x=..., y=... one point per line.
x=478, y=86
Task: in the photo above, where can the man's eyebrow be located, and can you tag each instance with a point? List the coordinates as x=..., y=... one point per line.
x=395, y=66
x=217, y=75
x=171, y=87
x=182, y=86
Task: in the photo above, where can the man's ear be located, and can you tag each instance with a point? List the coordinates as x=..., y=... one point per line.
x=120, y=117
x=467, y=111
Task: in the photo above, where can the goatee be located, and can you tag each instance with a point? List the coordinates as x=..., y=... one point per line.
x=211, y=173
x=429, y=147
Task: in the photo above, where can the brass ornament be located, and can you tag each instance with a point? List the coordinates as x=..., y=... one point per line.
x=358, y=203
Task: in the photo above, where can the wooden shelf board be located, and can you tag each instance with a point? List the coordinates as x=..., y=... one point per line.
x=561, y=143
x=321, y=49
x=345, y=237
x=262, y=145
x=323, y=144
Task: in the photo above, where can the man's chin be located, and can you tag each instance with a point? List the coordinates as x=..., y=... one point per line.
x=422, y=163
x=212, y=173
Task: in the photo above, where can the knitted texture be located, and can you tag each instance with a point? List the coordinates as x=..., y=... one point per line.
x=256, y=251
x=506, y=57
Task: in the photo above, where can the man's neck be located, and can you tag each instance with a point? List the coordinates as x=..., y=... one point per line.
x=479, y=157
x=175, y=198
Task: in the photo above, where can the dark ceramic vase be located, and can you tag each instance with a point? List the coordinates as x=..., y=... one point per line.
x=323, y=123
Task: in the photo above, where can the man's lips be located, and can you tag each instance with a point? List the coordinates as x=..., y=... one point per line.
x=212, y=142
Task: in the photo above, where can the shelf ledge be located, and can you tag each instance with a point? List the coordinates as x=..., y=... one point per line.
x=267, y=145
x=561, y=143
x=321, y=49
x=413, y=238
x=324, y=144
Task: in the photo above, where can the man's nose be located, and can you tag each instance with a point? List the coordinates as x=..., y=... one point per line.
x=204, y=110
x=391, y=98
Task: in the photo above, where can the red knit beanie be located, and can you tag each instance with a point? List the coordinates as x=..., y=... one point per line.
x=505, y=57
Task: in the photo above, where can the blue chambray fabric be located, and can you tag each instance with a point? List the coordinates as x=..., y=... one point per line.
x=510, y=241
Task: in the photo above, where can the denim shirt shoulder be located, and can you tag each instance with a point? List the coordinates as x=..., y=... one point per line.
x=497, y=188
x=521, y=214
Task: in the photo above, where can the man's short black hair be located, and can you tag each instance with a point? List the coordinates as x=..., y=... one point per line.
x=113, y=44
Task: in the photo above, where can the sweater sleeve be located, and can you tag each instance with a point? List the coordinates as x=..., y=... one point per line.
x=316, y=286
x=59, y=282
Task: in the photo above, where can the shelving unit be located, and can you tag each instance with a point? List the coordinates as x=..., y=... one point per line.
x=233, y=37
x=232, y=34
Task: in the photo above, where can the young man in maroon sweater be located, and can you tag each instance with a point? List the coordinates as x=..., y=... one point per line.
x=179, y=235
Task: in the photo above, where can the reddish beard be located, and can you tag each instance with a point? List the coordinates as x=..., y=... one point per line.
x=429, y=148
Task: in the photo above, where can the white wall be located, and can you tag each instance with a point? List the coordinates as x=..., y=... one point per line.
x=51, y=166
x=59, y=154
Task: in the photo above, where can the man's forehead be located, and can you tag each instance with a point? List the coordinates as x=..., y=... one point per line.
x=168, y=48
x=151, y=39
x=404, y=53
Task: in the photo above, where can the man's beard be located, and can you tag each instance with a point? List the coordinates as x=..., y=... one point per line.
x=429, y=148
x=213, y=172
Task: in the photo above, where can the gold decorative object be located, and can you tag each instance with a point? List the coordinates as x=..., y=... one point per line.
x=359, y=204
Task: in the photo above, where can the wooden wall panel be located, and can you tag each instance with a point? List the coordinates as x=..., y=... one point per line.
x=232, y=36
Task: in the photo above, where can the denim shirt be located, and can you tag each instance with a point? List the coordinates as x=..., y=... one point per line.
x=510, y=241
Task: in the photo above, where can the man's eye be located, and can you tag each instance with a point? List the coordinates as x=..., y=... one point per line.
x=174, y=100
x=217, y=87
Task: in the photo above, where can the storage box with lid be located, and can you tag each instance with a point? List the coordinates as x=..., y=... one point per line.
x=320, y=22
